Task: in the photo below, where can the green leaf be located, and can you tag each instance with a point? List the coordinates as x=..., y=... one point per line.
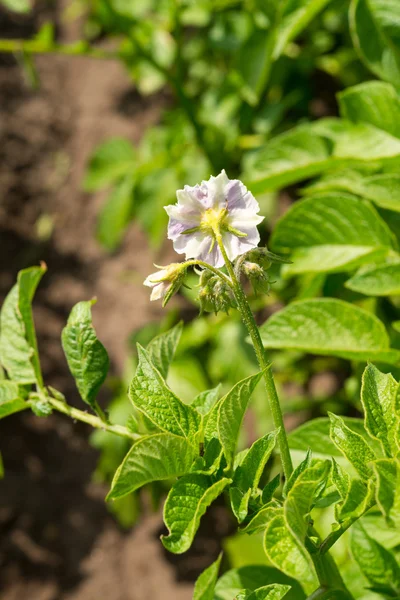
x=373, y=102
x=311, y=149
x=186, y=503
x=331, y=232
x=248, y=473
x=18, y=345
x=375, y=29
x=10, y=400
x=269, y=592
x=253, y=64
x=382, y=190
x=357, y=501
x=162, y=348
x=150, y=394
x=387, y=472
x=252, y=577
x=296, y=16
x=152, y=458
x=205, y=401
x=286, y=554
x=116, y=214
x=305, y=464
x=340, y=479
x=302, y=496
x=111, y=161
x=261, y=519
x=329, y=327
x=377, y=280
x=315, y=435
x=377, y=564
x=378, y=397
x=231, y=409
x=86, y=356
x=239, y=502
x=270, y=489
x=205, y=583
x=353, y=446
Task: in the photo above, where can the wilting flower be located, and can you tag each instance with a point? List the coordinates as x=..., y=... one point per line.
x=166, y=282
x=217, y=205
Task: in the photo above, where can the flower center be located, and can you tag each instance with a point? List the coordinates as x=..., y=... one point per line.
x=213, y=220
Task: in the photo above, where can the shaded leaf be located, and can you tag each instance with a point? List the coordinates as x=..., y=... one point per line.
x=111, y=161
x=387, y=472
x=252, y=577
x=379, y=280
x=204, y=401
x=116, y=214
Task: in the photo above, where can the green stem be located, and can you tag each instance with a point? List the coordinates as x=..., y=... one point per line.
x=205, y=265
x=264, y=363
x=335, y=535
x=92, y=420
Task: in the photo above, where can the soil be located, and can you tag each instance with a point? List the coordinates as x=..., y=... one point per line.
x=58, y=541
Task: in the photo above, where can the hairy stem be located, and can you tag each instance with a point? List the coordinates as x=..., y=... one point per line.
x=92, y=420
x=205, y=265
x=272, y=395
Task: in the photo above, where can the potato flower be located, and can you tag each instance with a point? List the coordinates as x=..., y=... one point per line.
x=217, y=206
x=166, y=282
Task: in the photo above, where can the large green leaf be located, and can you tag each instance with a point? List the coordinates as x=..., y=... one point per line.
x=378, y=280
x=296, y=16
x=353, y=446
x=252, y=577
x=111, y=161
x=116, y=214
x=150, y=394
x=86, y=356
x=162, y=348
x=186, y=503
x=331, y=232
x=375, y=29
x=382, y=190
x=329, y=327
x=18, y=346
x=205, y=583
x=10, y=399
x=377, y=564
x=152, y=458
x=378, y=396
x=286, y=554
x=231, y=410
x=373, y=102
x=311, y=149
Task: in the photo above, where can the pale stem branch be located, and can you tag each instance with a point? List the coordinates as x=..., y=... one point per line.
x=94, y=421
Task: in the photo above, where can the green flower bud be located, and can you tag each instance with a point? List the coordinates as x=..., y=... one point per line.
x=257, y=276
x=215, y=295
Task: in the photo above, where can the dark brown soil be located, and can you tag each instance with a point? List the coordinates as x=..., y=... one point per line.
x=58, y=542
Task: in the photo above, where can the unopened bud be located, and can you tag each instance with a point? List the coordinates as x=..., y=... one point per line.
x=257, y=276
x=215, y=296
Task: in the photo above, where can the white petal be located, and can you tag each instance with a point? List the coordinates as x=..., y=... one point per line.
x=159, y=290
x=190, y=244
x=154, y=278
x=241, y=219
x=216, y=190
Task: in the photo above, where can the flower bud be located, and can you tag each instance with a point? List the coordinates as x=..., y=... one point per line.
x=215, y=295
x=257, y=276
x=166, y=282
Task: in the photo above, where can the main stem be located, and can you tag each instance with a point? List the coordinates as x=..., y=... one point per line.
x=264, y=363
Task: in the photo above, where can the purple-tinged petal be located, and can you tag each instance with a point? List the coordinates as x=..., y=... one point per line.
x=216, y=190
x=238, y=197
